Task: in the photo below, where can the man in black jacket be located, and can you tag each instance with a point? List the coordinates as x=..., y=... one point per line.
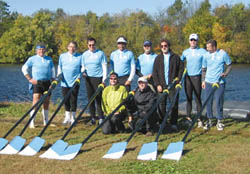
x=167, y=67
x=144, y=98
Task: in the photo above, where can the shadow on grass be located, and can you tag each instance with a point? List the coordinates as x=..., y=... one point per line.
x=4, y=105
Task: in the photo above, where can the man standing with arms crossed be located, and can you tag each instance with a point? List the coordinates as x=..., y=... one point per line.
x=42, y=73
x=213, y=71
x=94, y=63
x=193, y=57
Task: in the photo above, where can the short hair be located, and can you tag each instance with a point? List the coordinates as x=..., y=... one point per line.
x=74, y=43
x=91, y=39
x=167, y=41
x=212, y=42
x=113, y=73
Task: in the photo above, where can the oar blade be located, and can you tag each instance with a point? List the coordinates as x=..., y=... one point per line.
x=148, y=151
x=3, y=143
x=174, y=151
x=116, y=151
x=70, y=152
x=33, y=148
x=14, y=146
x=54, y=151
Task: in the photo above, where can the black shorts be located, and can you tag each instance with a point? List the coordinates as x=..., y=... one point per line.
x=41, y=87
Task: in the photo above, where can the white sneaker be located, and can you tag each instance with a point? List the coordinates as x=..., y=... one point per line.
x=100, y=121
x=219, y=125
x=200, y=124
x=32, y=125
x=66, y=118
x=71, y=121
x=208, y=125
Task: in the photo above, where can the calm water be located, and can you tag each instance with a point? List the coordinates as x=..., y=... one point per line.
x=14, y=87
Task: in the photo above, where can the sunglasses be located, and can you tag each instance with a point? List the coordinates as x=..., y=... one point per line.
x=91, y=45
x=164, y=46
x=193, y=40
x=112, y=78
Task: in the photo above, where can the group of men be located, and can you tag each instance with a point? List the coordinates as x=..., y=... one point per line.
x=156, y=73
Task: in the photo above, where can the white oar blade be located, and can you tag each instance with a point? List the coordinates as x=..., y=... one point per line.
x=174, y=151
x=70, y=152
x=54, y=151
x=148, y=151
x=116, y=151
x=14, y=146
x=3, y=143
x=33, y=148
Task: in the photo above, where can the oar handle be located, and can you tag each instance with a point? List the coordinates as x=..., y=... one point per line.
x=43, y=98
x=99, y=89
x=215, y=87
x=108, y=117
x=77, y=82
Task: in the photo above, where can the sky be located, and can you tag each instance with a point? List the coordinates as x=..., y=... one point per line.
x=73, y=7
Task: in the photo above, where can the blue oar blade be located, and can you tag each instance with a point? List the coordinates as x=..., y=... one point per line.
x=3, y=143
x=33, y=148
x=54, y=151
x=174, y=151
x=116, y=151
x=148, y=151
x=14, y=146
x=70, y=152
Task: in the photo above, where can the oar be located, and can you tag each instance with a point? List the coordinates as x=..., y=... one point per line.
x=174, y=150
x=149, y=150
x=60, y=145
x=71, y=151
x=17, y=143
x=37, y=143
x=117, y=150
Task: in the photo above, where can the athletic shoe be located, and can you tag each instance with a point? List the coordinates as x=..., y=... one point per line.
x=208, y=125
x=100, y=121
x=219, y=125
x=200, y=124
x=149, y=133
x=65, y=122
x=32, y=125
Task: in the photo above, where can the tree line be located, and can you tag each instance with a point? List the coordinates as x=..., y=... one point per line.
x=228, y=24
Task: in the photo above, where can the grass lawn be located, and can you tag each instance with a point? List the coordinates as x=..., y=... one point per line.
x=205, y=152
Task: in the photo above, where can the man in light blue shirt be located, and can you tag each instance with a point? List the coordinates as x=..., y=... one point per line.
x=193, y=57
x=145, y=62
x=70, y=68
x=42, y=73
x=94, y=63
x=122, y=62
x=213, y=71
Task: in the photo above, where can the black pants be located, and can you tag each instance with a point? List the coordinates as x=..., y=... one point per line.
x=122, y=81
x=71, y=103
x=162, y=107
x=149, y=125
x=91, y=86
x=193, y=85
x=114, y=124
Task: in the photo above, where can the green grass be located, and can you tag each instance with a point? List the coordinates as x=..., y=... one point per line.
x=224, y=152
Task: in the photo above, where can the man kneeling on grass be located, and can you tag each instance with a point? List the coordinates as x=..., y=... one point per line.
x=112, y=96
x=144, y=98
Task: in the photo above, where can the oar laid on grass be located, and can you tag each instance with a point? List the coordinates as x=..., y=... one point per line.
x=37, y=143
x=149, y=150
x=71, y=151
x=117, y=150
x=17, y=143
x=174, y=150
x=60, y=145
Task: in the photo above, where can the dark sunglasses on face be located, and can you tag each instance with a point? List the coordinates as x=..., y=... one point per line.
x=91, y=45
x=113, y=78
x=164, y=46
x=193, y=40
